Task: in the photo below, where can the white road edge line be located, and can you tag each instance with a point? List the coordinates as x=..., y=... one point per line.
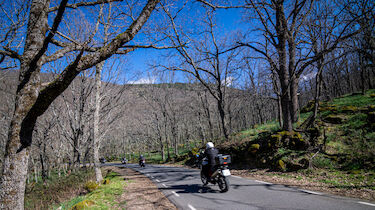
x=175, y=194
x=164, y=185
x=152, y=177
x=365, y=203
x=237, y=177
x=157, y=180
x=191, y=207
x=312, y=192
x=263, y=182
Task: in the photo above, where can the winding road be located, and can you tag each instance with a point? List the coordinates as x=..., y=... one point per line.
x=184, y=188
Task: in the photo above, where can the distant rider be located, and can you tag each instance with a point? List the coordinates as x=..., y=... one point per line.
x=211, y=152
x=141, y=158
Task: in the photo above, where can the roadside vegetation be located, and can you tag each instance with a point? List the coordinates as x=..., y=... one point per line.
x=99, y=196
x=336, y=155
x=55, y=189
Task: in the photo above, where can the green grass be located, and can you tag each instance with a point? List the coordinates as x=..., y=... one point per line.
x=42, y=196
x=104, y=197
x=356, y=100
x=356, y=121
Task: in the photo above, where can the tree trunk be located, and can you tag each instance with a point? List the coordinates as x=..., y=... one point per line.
x=294, y=98
x=280, y=110
x=14, y=171
x=96, y=140
x=220, y=106
x=162, y=149
x=283, y=71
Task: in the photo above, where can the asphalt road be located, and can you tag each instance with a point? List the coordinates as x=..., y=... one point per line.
x=184, y=188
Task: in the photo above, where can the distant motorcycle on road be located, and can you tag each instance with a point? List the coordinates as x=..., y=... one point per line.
x=221, y=173
x=124, y=161
x=142, y=163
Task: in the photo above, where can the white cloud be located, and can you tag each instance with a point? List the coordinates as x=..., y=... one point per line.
x=143, y=81
x=228, y=81
x=309, y=76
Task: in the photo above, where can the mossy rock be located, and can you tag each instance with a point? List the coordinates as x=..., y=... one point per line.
x=281, y=165
x=372, y=95
x=309, y=107
x=106, y=181
x=91, y=186
x=328, y=108
x=334, y=119
x=83, y=205
x=349, y=109
x=275, y=141
x=254, y=148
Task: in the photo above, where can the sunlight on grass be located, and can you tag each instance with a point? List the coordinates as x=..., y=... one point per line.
x=104, y=197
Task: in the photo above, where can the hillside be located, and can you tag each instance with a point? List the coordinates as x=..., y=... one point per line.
x=337, y=155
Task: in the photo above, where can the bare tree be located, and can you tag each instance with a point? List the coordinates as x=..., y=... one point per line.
x=33, y=98
x=208, y=60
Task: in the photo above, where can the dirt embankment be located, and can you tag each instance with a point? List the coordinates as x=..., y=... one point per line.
x=141, y=193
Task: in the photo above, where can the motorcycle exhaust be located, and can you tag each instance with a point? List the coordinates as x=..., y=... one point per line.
x=215, y=173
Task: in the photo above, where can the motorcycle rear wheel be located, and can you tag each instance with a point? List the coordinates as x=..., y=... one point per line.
x=223, y=183
x=204, y=179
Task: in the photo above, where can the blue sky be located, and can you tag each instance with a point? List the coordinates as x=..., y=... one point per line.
x=228, y=20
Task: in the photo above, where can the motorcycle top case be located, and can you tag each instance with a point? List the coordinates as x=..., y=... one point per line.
x=223, y=159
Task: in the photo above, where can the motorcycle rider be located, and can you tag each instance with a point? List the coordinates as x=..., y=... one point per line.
x=141, y=158
x=211, y=152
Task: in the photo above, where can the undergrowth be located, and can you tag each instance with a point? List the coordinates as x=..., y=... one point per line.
x=56, y=189
x=102, y=198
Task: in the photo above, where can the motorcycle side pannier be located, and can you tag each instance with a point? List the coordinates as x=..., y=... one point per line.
x=223, y=159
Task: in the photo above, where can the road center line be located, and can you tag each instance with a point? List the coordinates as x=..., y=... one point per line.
x=152, y=177
x=365, y=203
x=263, y=182
x=237, y=177
x=191, y=207
x=175, y=194
x=157, y=180
x=164, y=185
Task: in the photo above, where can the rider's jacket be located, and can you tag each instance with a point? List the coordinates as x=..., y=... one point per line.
x=211, y=153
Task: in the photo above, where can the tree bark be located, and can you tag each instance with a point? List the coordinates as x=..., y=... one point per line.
x=14, y=171
x=96, y=140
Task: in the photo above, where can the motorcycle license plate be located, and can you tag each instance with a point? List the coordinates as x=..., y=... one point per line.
x=226, y=172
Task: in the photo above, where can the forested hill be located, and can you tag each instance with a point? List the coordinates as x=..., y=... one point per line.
x=134, y=117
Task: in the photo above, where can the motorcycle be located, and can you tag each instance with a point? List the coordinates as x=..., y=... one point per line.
x=124, y=161
x=142, y=163
x=221, y=173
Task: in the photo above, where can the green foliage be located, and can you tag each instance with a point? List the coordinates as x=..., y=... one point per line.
x=321, y=161
x=356, y=100
x=104, y=196
x=356, y=121
x=42, y=196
